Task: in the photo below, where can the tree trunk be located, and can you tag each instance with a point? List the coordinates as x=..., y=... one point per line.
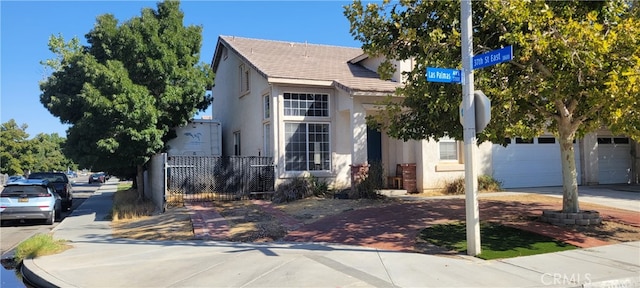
x=569, y=174
x=140, y=182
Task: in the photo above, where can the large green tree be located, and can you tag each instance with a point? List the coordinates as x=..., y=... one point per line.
x=19, y=154
x=126, y=90
x=47, y=151
x=13, y=148
x=576, y=68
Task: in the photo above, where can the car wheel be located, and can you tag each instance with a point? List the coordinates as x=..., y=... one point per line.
x=52, y=217
x=58, y=215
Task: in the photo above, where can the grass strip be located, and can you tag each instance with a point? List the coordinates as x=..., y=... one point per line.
x=497, y=241
x=39, y=245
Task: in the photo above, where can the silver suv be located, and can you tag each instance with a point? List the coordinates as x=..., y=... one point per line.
x=30, y=199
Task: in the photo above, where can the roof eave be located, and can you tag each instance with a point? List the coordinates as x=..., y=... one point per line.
x=373, y=93
x=215, y=61
x=359, y=58
x=293, y=81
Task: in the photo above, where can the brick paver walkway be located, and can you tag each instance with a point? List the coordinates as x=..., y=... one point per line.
x=207, y=223
x=396, y=226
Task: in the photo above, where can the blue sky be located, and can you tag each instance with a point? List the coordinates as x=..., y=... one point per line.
x=27, y=25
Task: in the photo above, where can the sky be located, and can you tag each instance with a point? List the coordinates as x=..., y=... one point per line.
x=25, y=28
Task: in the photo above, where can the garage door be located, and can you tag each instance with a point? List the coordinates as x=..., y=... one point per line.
x=530, y=163
x=614, y=160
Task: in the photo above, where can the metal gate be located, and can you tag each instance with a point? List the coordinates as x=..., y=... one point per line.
x=203, y=178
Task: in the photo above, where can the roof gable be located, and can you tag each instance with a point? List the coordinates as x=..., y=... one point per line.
x=303, y=61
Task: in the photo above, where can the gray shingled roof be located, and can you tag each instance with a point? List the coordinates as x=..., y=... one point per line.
x=302, y=61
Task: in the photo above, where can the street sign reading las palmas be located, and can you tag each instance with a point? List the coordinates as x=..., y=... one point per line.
x=443, y=75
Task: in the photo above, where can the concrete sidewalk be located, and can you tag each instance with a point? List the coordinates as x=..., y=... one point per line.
x=99, y=260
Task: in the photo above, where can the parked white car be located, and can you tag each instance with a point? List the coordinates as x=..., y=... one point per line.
x=30, y=199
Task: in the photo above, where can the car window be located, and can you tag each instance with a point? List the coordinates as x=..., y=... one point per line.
x=52, y=177
x=17, y=191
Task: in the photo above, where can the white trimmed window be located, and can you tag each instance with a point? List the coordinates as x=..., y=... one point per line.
x=244, y=79
x=307, y=147
x=266, y=102
x=449, y=151
x=306, y=104
x=307, y=144
x=267, y=139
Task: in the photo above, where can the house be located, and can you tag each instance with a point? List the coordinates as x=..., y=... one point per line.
x=306, y=105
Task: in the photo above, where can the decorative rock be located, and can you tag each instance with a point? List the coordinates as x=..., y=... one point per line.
x=583, y=222
x=586, y=217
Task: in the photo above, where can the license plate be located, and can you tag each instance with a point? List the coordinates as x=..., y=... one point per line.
x=23, y=200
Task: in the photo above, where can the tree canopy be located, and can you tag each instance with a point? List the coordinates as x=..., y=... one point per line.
x=126, y=90
x=567, y=54
x=575, y=68
x=13, y=148
x=18, y=153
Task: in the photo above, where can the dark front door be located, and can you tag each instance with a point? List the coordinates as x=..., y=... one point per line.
x=374, y=145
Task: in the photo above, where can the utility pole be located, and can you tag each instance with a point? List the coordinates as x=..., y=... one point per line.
x=469, y=135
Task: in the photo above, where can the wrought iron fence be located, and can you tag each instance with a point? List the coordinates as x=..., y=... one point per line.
x=202, y=178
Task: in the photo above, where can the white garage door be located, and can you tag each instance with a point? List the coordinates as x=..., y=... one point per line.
x=532, y=163
x=614, y=160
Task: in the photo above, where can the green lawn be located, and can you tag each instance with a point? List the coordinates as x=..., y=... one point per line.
x=496, y=241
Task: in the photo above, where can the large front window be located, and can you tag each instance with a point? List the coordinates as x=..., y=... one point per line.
x=307, y=147
x=306, y=104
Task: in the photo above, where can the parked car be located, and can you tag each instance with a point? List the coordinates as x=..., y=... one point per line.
x=15, y=177
x=28, y=199
x=61, y=183
x=97, y=178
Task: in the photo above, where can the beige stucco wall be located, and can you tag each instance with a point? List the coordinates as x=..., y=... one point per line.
x=225, y=100
x=434, y=173
x=244, y=113
x=239, y=111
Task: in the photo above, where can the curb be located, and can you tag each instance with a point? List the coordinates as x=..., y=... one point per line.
x=31, y=276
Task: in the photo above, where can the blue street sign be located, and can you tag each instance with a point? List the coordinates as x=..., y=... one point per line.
x=443, y=75
x=493, y=57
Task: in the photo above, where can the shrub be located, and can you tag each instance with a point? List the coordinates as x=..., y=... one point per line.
x=485, y=183
x=489, y=184
x=370, y=186
x=295, y=189
x=454, y=187
x=319, y=188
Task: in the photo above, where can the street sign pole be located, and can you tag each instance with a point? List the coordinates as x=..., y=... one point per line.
x=469, y=132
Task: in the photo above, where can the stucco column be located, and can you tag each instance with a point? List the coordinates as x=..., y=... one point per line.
x=421, y=159
x=359, y=137
x=589, y=159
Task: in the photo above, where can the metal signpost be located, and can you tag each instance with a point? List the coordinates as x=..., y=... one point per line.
x=469, y=133
x=469, y=96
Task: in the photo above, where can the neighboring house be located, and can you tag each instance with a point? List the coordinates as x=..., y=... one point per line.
x=199, y=137
x=306, y=106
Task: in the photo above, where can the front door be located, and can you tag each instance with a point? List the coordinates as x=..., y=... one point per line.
x=374, y=145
